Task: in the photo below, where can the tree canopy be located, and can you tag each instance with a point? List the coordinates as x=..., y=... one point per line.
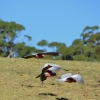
x=86, y=48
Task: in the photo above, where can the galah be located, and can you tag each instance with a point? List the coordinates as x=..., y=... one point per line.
x=71, y=78
x=48, y=70
x=41, y=55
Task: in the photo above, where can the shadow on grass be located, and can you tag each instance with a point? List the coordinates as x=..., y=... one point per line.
x=66, y=69
x=98, y=81
x=61, y=99
x=46, y=94
x=29, y=86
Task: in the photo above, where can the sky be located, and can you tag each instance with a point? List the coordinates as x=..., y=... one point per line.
x=52, y=20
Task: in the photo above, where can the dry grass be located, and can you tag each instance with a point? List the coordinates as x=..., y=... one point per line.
x=17, y=80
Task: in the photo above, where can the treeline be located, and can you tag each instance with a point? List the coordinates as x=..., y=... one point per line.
x=87, y=48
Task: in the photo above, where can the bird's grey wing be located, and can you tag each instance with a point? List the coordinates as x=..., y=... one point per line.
x=55, y=68
x=66, y=75
x=78, y=78
x=61, y=80
x=50, y=53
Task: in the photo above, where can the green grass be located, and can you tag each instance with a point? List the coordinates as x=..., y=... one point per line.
x=18, y=82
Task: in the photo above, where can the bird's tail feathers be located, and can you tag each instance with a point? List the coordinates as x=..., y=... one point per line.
x=38, y=76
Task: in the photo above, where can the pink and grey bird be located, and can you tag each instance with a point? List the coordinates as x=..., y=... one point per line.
x=41, y=55
x=48, y=70
x=71, y=78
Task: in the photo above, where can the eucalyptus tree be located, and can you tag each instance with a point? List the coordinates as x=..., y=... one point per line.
x=61, y=47
x=89, y=35
x=43, y=43
x=89, y=50
x=95, y=38
x=87, y=31
x=53, y=45
x=78, y=46
x=23, y=50
x=97, y=51
x=95, y=28
x=58, y=47
x=91, y=39
x=69, y=53
x=9, y=32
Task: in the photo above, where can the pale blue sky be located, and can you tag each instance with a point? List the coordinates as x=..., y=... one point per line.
x=52, y=20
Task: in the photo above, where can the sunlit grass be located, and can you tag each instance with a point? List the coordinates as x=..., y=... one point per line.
x=18, y=82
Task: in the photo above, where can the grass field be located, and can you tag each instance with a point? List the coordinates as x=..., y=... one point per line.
x=18, y=82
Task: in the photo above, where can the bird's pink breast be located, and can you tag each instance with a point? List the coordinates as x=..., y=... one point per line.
x=49, y=74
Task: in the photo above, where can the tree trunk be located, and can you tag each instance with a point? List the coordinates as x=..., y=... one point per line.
x=11, y=53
